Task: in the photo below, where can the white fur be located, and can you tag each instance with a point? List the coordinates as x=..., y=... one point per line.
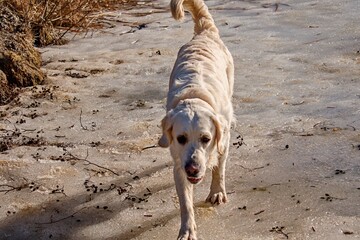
x=199, y=106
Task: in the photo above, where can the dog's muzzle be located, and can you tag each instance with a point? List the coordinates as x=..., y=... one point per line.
x=194, y=180
x=192, y=170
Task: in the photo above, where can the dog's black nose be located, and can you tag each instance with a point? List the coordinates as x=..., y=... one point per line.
x=192, y=169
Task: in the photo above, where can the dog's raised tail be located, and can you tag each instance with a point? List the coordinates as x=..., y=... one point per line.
x=199, y=11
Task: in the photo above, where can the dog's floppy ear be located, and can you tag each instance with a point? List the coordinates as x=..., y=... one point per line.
x=219, y=123
x=166, y=124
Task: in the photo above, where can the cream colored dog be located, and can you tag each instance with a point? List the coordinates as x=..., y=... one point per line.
x=199, y=112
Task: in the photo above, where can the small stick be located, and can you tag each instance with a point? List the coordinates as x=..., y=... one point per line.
x=89, y=162
x=64, y=218
x=259, y=212
x=82, y=126
x=11, y=188
x=148, y=147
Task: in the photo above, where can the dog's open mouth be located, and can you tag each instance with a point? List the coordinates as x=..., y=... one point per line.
x=194, y=180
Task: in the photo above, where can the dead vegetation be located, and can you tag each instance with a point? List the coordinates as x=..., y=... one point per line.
x=50, y=20
x=19, y=61
x=28, y=23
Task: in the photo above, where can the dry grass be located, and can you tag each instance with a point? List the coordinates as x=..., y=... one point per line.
x=25, y=23
x=49, y=20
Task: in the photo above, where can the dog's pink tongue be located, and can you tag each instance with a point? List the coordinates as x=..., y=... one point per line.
x=194, y=180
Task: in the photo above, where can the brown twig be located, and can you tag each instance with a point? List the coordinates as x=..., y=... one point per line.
x=10, y=188
x=279, y=230
x=64, y=218
x=73, y=157
x=253, y=169
x=148, y=147
x=82, y=126
x=259, y=212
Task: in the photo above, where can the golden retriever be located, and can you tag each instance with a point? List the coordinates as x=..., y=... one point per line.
x=199, y=112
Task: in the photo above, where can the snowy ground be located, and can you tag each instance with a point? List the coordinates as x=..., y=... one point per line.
x=78, y=159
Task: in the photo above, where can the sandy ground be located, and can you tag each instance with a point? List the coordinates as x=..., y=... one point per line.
x=78, y=159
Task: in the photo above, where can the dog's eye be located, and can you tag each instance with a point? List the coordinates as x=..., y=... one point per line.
x=205, y=139
x=181, y=139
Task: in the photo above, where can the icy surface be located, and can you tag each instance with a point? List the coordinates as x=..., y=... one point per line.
x=81, y=163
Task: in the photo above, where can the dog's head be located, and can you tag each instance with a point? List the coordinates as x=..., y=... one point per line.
x=194, y=134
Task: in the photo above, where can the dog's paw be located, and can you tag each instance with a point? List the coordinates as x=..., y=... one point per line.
x=187, y=234
x=217, y=198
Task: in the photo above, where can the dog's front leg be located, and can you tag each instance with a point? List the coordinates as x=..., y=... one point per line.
x=184, y=190
x=217, y=193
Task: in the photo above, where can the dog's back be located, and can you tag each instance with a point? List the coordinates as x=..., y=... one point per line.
x=204, y=67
